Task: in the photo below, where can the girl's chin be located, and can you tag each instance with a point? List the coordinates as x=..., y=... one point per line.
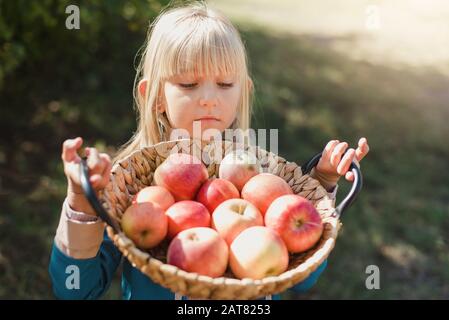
x=208, y=130
x=204, y=129
x=203, y=125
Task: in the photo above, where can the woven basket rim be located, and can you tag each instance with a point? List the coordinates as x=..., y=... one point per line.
x=146, y=262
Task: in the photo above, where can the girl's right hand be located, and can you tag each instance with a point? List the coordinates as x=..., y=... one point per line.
x=99, y=165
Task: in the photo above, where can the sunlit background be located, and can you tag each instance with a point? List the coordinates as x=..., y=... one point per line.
x=412, y=32
x=322, y=70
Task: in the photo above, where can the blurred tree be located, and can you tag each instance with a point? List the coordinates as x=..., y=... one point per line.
x=55, y=81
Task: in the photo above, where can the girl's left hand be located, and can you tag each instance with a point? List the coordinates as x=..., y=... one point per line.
x=332, y=165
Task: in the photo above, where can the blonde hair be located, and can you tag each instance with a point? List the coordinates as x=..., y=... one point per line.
x=195, y=39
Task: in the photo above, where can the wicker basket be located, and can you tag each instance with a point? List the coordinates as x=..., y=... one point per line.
x=135, y=172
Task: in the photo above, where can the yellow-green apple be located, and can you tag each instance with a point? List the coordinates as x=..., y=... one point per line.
x=145, y=224
x=199, y=250
x=215, y=191
x=233, y=216
x=182, y=174
x=238, y=167
x=258, y=252
x=156, y=194
x=263, y=189
x=186, y=214
x=296, y=220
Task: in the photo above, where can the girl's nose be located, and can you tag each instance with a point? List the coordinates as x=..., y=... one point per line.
x=209, y=96
x=207, y=102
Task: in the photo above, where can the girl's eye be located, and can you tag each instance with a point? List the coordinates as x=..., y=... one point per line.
x=188, y=85
x=225, y=85
x=193, y=85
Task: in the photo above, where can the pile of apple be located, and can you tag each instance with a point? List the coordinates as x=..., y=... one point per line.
x=244, y=219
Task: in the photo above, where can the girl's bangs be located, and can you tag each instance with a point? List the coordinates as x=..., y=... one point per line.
x=204, y=53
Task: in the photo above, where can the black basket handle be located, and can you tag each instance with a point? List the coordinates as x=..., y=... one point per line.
x=93, y=199
x=356, y=185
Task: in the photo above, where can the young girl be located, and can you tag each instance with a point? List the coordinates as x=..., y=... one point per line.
x=193, y=70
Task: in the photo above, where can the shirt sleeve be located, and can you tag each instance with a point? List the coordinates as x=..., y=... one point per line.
x=83, y=279
x=332, y=194
x=78, y=235
x=311, y=280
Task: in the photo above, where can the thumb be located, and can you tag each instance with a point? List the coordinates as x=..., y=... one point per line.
x=70, y=148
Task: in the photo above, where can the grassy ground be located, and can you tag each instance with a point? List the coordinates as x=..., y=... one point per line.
x=312, y=91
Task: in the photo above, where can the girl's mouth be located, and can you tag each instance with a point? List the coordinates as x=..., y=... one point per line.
x=207, y=118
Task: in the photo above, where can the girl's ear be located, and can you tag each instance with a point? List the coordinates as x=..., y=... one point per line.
x=142, y=90
x=142, y=87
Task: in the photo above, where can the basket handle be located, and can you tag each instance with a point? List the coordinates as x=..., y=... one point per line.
x=356, y=184
x=89, y=192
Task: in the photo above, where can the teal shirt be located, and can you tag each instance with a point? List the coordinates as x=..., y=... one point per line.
x=96, y=274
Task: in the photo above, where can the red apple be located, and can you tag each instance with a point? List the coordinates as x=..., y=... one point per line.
x=186, y=214
x=296, y=220
x=258, y=252
x=263, y=189
x=145, y=224
x=199, y=250
x=182, y=174
x=215, y=191
x=238, y=167
x=233, y=216
x=156, y=194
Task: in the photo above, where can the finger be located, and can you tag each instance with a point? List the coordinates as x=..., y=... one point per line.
x=95, y=180
x=106, y=172
x=99, y=180
x=345, y=162
x=106, y=164
x=94, y=162
x=362, y=149
x=69, y=149
x=349, y=176
x=337, y=153
x=105, y=158
x=357, y=163
x=328, y=149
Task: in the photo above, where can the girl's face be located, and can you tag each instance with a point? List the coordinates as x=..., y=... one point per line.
x=210, y=100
